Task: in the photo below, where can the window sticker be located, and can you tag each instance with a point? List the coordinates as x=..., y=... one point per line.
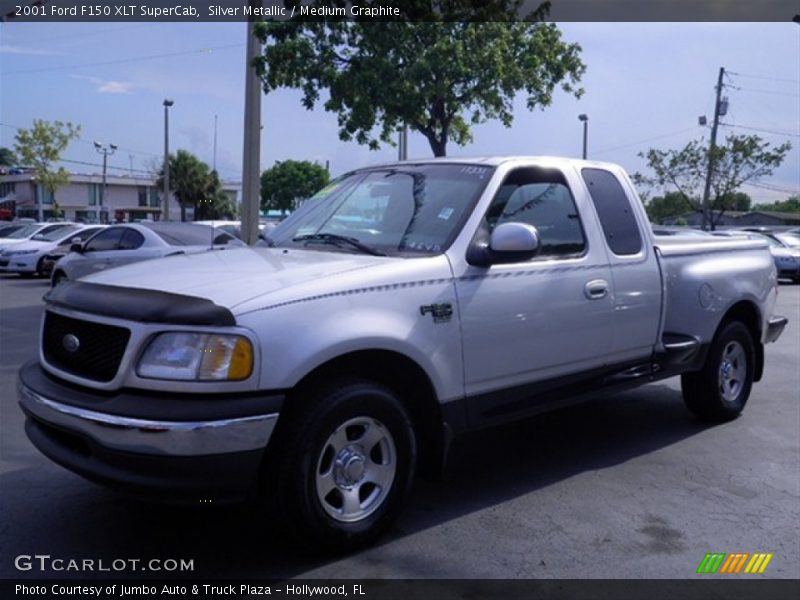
x=446, y=213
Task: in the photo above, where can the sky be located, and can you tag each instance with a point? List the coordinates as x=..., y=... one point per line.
x=646, y=84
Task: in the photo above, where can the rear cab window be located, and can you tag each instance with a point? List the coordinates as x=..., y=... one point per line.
x=614, y=210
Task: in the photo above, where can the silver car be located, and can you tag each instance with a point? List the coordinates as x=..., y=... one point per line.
x=129, y=243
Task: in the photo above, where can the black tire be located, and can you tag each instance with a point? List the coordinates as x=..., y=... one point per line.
x=38, y=271
x=720, y=390
x=303, y=459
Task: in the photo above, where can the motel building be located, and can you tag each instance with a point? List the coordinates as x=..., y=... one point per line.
x=126, y=199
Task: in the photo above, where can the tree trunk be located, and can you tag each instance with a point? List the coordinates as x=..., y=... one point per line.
x=439, y=147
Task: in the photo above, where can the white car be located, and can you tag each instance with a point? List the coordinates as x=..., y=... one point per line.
x=26, y=257
x=28, y=233
x=128, y=243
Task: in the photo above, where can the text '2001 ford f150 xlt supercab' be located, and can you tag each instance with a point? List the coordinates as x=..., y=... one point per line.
x=400, y=306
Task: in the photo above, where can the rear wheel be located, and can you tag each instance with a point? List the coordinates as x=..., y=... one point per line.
x=720, y=390
x=341, y=468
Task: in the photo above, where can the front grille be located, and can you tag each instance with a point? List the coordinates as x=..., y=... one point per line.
x=99, y=347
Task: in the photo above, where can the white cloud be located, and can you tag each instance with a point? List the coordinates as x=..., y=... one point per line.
x=108, y=86
x=7, y=49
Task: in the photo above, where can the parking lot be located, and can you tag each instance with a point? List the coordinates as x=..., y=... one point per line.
x=631, y=486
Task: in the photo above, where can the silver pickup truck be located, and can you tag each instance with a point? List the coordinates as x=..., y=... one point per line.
x=400, y=306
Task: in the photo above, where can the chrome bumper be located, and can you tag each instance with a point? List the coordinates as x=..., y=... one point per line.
x=775, y=328
x=141, y=436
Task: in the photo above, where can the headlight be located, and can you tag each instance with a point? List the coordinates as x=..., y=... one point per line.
x=197, y=357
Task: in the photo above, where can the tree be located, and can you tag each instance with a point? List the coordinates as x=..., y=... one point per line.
x=671, y=204
x=790, y=205
x=41, y=146
x=741, y=159
x=439, y=75
x=288, y=181
x=216, y=204
x=7, y=158
x=188, y=180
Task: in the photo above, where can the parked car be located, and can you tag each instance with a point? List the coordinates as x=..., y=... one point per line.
x=29, y=258
x=120, y=245
x=409, y=303
x=7, y=229
x=29, y=232
x=785, y=252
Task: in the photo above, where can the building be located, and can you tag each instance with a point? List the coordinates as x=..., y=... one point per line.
x=82, y=199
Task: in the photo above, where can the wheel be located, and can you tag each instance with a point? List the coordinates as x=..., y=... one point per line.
x=58, y=277
x=341, y=467
x=720, y=390
x=38, y=271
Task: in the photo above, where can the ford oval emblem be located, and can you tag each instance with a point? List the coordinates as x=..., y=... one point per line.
x=71, y=343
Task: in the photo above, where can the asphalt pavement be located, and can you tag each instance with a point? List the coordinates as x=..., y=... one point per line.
x=630, y=486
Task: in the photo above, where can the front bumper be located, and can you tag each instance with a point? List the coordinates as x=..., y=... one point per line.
x=181, y=449
x=18, y=264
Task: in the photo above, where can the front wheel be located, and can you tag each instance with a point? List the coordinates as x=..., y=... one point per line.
x=720, y=390
x=342, y=465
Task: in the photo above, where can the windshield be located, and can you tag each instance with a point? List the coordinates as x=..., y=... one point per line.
x=408, y=209
x=56, y=234
x=25, y=232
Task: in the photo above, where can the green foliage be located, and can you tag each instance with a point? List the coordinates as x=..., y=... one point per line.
x=671, y=204
x=740, y=159
x=439, y=77
x=216, y=204
x=41, y=146
x=289, y=181
x=790, y=205
x=194, y=184
x=7, y=157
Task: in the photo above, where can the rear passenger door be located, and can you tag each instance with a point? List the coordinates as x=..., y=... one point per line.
x=634, y=266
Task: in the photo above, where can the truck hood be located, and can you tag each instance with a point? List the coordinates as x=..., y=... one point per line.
x=231, y=278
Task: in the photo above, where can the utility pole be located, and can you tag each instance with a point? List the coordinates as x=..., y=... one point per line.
x=711, y=151
x=214, y=162
x=585, y=120
x=251, y=159
x=105, y=151
x=402, y=143
x=167, y=104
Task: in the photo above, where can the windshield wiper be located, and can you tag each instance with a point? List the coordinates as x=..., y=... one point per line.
x=332, y=238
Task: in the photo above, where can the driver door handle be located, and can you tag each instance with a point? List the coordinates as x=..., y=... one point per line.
x=596, y=289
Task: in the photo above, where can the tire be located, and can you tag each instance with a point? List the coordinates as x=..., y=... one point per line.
x=38, y=272
x=341, y=468
x=720, y=390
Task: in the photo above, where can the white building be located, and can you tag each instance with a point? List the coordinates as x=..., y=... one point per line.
x=83, y=199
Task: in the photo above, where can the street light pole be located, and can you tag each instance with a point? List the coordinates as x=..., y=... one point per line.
x=585, y=119
x=106, y=151
x=167, y=104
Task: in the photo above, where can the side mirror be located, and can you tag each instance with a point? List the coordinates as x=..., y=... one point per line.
x=76, y=247
x=508, y=243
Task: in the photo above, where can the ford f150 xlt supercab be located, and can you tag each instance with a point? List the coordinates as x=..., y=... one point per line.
x=401, y=305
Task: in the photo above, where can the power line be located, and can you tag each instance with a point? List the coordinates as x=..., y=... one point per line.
x=650, y=139
x=774, y=188
x=760, y=91
x=82, y=34
x=91, y=164
x=761, y=130
x=125, y=60
x=764, y=77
